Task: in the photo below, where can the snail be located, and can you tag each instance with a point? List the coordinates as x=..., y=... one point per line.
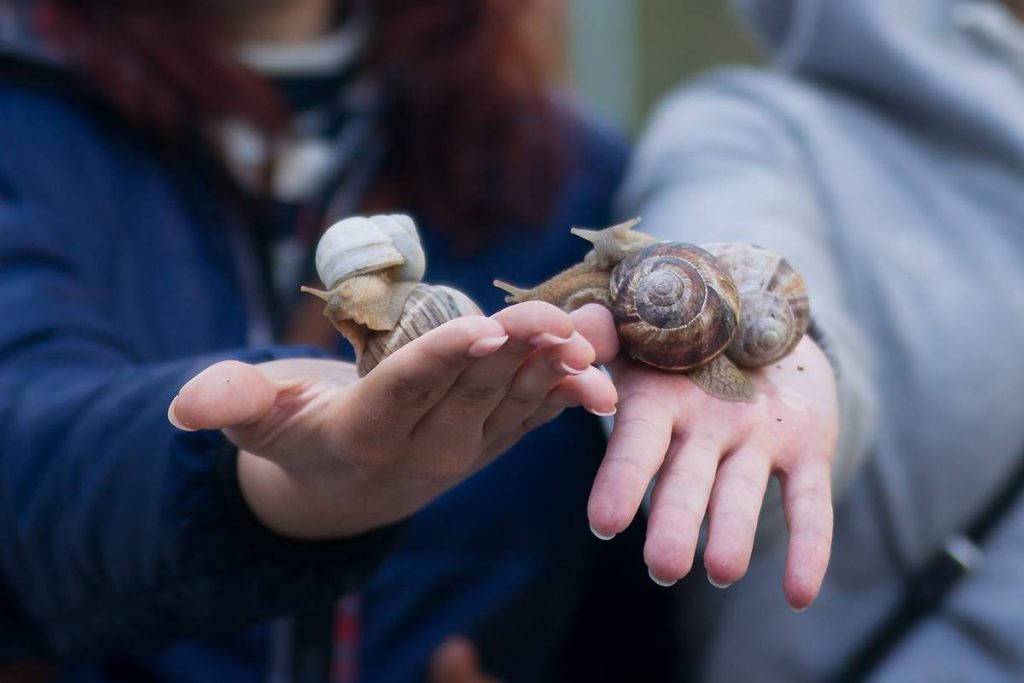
x=372, y=267
x=683, y=308
x=775, y=310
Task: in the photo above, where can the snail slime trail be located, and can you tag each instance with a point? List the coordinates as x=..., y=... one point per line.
x=372, y=268
x=702, y=311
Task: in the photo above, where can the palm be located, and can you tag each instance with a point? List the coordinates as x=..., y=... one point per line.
x=714, y=458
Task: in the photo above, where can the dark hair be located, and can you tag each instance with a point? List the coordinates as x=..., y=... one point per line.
x=472, y=127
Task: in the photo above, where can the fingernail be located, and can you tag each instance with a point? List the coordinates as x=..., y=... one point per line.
x=482, y=348
x=798, y=610
x=714, y=583
x=594, y=411
x=600, y=535
x=546, y=339
x=173, y=418
x=569, y=370
x=655, y=579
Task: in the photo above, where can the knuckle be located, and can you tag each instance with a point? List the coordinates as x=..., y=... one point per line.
x=747, y=485
x=703, y=442
x=733, y=521
x=471, y=393
x=639, y=427
x=520, y=398
x=813, y=535
x=411, y=393
x=684, y=512
x=630, y=467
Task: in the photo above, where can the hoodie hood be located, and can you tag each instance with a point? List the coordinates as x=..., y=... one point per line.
x=932, y=58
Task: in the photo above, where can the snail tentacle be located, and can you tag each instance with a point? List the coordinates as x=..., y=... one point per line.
x=570, y=289
x=613, y=244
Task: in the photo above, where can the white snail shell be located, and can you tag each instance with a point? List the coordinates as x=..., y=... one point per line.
x=426, y=307
x=358, y=246
x=775, y=309
x=372, y=268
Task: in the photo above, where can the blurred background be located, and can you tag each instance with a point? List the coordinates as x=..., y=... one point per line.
x=622, y=55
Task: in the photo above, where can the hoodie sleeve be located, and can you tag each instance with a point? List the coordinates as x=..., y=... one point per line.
x=118, y=532
x=714, y=165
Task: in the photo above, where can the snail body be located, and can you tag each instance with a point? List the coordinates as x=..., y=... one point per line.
x=585, y=282
x=572, y=288
x=372, y=267
x=683, y=308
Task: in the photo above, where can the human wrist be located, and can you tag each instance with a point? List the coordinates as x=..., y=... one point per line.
x=342, y=501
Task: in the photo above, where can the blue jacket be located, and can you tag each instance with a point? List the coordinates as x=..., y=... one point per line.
x=125, y=547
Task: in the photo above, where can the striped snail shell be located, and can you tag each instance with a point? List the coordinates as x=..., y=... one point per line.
x=674, y=307
x=774, y=303
x=372, y=268
x=426, y=307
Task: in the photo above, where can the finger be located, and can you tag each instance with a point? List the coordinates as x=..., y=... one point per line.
x=406, y=385
x=596, y=324
x=460, y=415
x=678, y=504
x=228, y=394
x=456, y=661
x=732, y=515
x=636, y=449
x=593, y=389
x=592, y=384
x=539, y=374
x=807, y=498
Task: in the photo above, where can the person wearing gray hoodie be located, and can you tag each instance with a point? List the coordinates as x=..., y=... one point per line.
x=883, y=154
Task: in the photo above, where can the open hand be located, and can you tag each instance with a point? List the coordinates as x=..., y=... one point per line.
x=325, y=454
x=714, y=458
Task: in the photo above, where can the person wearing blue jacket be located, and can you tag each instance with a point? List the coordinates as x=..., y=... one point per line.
x=883, y=153
x=168, y=513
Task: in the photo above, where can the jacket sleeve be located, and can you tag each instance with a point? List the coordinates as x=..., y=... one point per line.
x=116, y=530
x=716, y=164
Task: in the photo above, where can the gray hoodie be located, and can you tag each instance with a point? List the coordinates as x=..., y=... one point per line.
x=884, y=154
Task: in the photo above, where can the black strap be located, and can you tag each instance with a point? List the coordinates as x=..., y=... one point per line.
x=925, y=590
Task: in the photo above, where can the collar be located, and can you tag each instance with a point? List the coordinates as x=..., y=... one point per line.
x=328, y=54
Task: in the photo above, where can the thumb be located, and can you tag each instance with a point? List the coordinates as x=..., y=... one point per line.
x=597, y=325
x=228, y=394
x=457, y=661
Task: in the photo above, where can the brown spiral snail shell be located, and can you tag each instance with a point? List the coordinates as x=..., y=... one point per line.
x=674, y=307
x=683, y=308
x=776, y=309
x=372, y=267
